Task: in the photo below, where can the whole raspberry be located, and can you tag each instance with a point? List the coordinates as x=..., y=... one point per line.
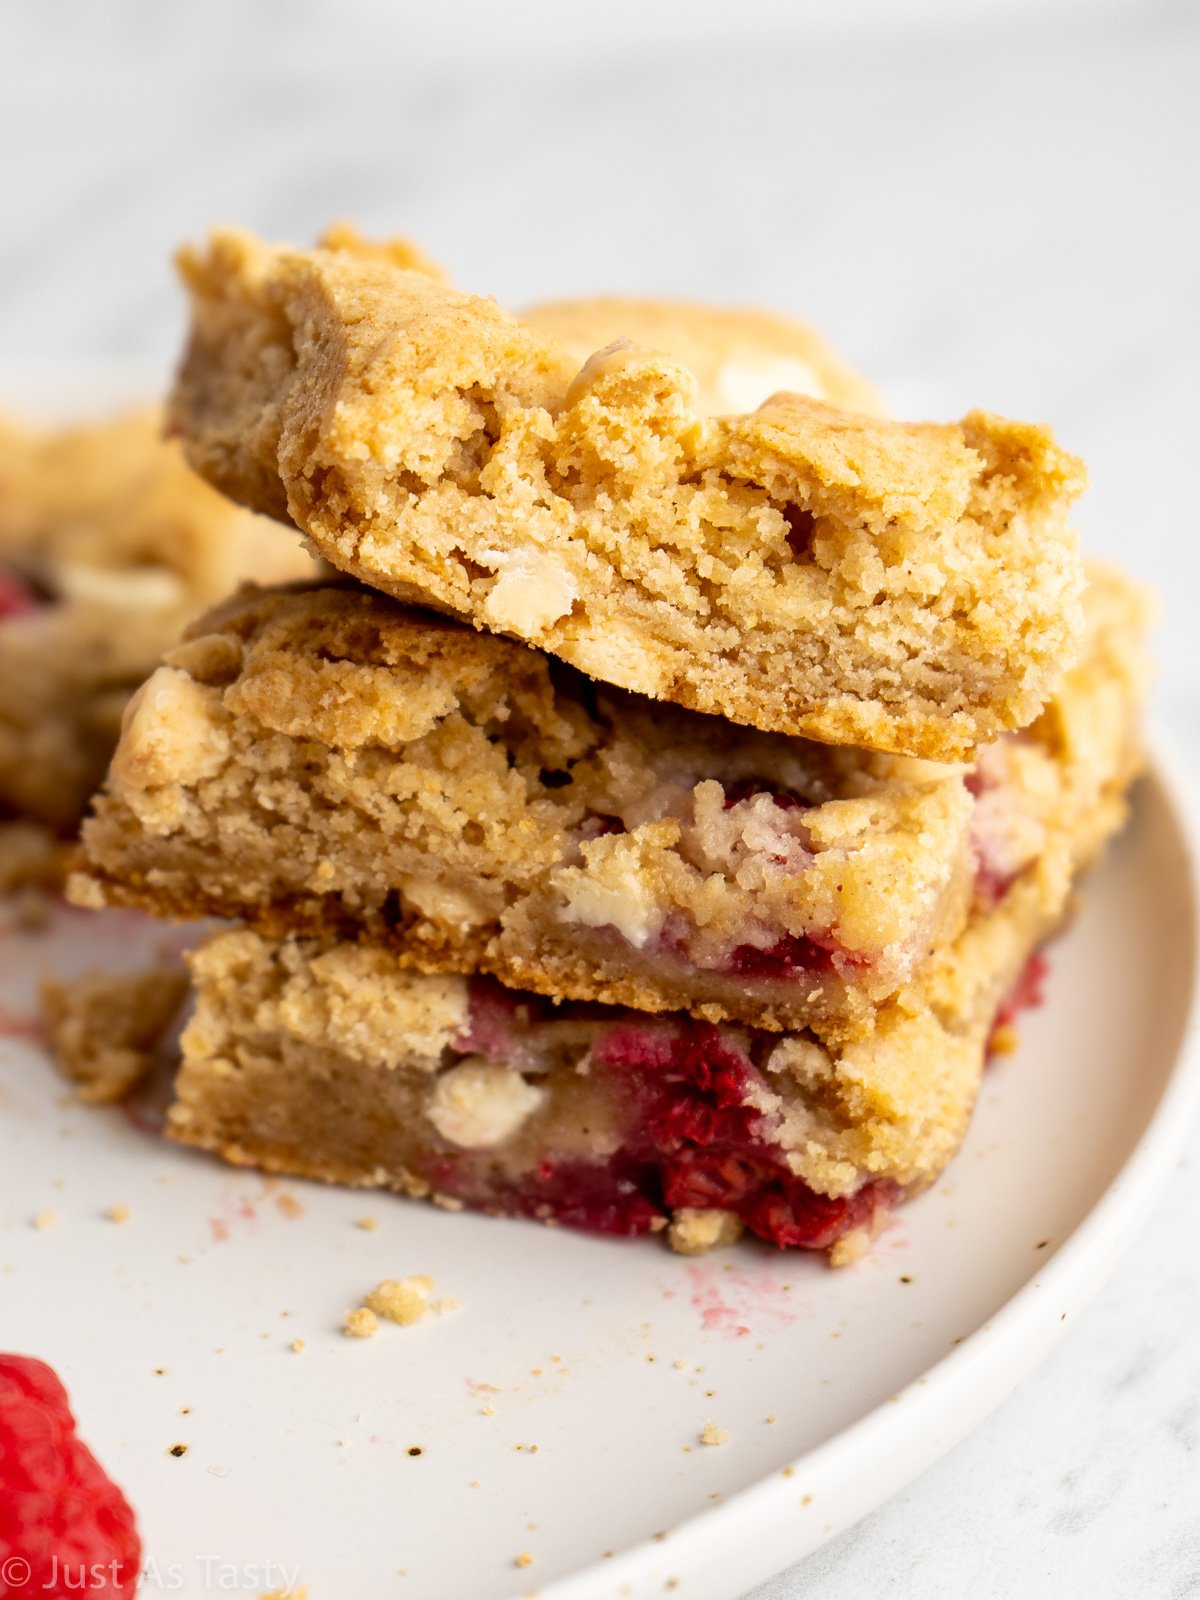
x=65, y=1528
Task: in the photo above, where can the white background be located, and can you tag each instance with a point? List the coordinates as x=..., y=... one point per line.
x=982, y=204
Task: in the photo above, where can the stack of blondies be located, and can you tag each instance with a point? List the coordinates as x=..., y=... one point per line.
x=654, y=824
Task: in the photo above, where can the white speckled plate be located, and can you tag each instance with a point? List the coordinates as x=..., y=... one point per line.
x=558, y=1414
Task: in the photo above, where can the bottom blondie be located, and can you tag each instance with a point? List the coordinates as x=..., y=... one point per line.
x=334, y=1062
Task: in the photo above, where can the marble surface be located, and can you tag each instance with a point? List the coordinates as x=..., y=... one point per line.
x=982, y=203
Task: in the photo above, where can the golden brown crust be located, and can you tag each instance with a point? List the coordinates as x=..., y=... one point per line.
x=398, y=250
x=899, y=586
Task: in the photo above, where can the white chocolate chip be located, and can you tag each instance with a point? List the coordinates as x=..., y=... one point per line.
x=477, y=1104
x=744, y=385
x=129, y=589
x=614, y=894
x=632, y=372
x=620, y=655
x=531, y=591
x=170, y=733
x=445, y=903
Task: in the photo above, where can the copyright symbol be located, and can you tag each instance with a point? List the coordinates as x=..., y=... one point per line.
x=15, y=1573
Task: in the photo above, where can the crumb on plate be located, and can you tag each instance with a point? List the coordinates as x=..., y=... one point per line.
x=406, y=1300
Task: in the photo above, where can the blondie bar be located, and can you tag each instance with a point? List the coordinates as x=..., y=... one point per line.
x=800, y=568
x=108, y=545
x=322, y=760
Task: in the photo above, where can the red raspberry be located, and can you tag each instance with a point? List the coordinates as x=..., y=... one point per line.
x=65, y=1528
x=788, y=957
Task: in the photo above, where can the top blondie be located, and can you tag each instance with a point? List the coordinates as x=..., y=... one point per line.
x=802, y=568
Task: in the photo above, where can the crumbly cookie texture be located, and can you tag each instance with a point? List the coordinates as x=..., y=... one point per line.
x=400, y=1300
x=739, y=357
x=109, y=544
x=360, y=1323
x=406, y=1300
x=106, y=1030
x=695, y=1230
x=326, y=761
x=799, y=568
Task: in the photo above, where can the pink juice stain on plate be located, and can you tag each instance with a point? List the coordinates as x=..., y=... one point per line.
x=738, y=1303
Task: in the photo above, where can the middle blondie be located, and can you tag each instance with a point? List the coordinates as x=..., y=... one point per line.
x=322, y=760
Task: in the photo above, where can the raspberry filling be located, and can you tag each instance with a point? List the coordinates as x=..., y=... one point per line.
x=777, y=956
x=1025, y=994
x=686, y=1094
x=688, y=1137
x=17, y=598
x=994, y=876
x=991, y=884
x=793, y=956
x=496, y=1015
